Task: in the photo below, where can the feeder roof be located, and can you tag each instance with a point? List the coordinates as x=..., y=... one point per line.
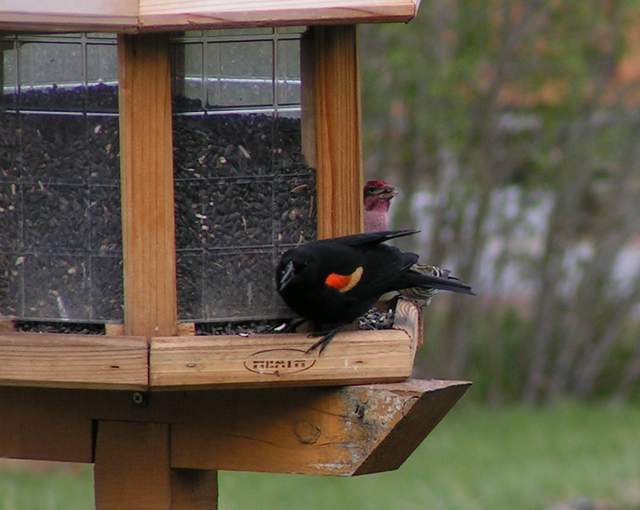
x=165, y=15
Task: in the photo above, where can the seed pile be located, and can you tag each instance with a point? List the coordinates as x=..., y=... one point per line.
x=238, y=328
x=71, y=328
x=248, y=195
x=376, y=319
x=243, y=191
x=60, y=240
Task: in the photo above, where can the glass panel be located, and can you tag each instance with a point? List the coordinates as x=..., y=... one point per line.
x=288, y=83
x=8, y=74
x=51, y=76
x=244, y=191
x=239, y=74
x=102, y=78
x=60, y=232
x=188, y=85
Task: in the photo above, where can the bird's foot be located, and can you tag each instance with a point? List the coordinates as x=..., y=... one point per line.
x=324, y=341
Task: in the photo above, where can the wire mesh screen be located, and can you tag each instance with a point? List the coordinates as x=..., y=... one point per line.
x=60, y=233
x=244, y=191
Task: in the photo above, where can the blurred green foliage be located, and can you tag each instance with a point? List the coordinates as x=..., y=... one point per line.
x=511, y=129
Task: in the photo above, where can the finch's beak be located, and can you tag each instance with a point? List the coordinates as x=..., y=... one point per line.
x=287, y=275
x=388, y=192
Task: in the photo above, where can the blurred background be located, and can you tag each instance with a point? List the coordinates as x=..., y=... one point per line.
x=511, y=130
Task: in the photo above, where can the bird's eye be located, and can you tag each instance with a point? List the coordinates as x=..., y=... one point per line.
x=371, y=189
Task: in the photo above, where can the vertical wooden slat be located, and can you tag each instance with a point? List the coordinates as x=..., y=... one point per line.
x=336, y=111
x=146, y=163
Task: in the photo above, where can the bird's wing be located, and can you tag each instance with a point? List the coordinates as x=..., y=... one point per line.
x=384, y=266
x=372, y=238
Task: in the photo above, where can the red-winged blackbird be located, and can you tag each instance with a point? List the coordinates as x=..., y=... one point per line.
x=377, y=202
x=333, y=281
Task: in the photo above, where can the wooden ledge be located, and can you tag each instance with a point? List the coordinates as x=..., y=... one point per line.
x=204, y=362
x=73, y=361
x=281, y=360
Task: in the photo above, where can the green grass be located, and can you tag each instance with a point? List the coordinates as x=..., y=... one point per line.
x=55, y=489
x=477, y=458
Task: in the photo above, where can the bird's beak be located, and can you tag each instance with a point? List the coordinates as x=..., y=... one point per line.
x=287, y=275
x=388, y=192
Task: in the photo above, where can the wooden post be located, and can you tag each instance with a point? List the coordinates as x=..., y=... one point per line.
x=331, y=125
x=132, y=466
x=132, y=461
x=146, y=167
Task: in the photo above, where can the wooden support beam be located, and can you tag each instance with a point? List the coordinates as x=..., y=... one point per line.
x=44, y=424
x=132, y=466
x=146, y=166
x=331, y=103
x=344, y=431
x=325, y=430
x=73, y=361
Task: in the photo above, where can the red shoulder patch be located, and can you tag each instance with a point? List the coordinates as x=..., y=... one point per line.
x=337, y=281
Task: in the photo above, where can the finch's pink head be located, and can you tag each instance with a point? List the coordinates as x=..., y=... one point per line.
x=378, y=195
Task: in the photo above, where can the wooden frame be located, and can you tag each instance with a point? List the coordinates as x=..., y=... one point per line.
x=156, y=449
x=324, y=431
x=164, y=15
x=73, y=361
x=331, y=125
x=190, y=362
x=331, y=138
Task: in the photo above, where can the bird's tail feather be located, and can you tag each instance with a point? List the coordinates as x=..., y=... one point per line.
x=416, y=279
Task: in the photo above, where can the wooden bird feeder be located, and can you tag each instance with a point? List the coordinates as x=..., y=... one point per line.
x=156, y=158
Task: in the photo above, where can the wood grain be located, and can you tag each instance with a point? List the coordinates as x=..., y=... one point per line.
x=132, y=466
x=160, y=14
x=146, y=148
x=45, y=424
x=165, y=15
x=73, y=361
x=336, y=89
x=149, y=274
x=336, y=431
x=113, y=329
x=279, y=360
x=324, y=430
x=408, y=318
x=7, y=325
x=52, y=15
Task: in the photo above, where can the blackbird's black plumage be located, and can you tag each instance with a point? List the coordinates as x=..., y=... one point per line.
x=331, y=282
